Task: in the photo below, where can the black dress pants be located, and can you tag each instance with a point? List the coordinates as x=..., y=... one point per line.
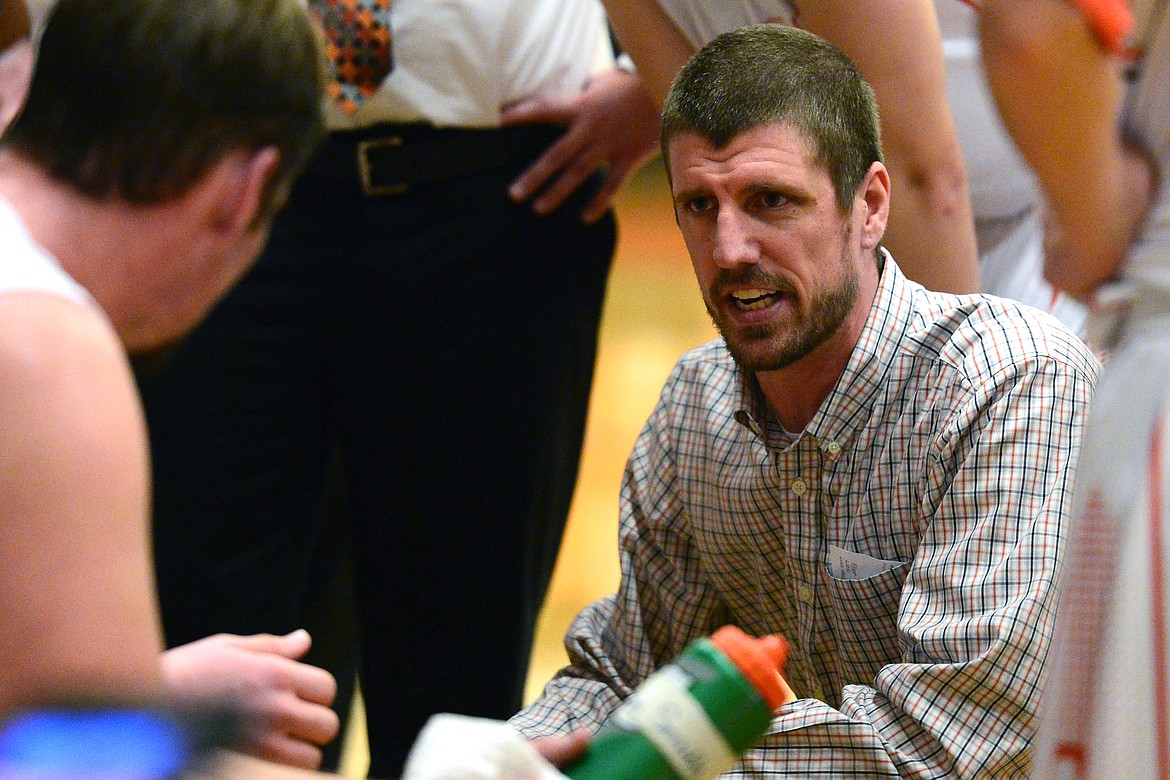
x=429, y=352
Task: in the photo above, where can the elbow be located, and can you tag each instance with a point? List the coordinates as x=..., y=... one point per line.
x=937, y=187
x=1077, y=282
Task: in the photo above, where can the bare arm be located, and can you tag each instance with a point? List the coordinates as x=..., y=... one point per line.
x=652, y=41
x=76, y=587
x=1059, y=93
x=897, y=45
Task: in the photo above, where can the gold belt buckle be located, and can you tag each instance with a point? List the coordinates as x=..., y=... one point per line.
x=363, y=161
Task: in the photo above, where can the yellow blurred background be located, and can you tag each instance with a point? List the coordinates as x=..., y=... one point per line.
x=653, y=313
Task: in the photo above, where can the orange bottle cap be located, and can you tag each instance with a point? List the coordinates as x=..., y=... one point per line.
x=759, y=660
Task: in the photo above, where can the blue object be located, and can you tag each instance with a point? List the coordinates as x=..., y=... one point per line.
x=99, y=744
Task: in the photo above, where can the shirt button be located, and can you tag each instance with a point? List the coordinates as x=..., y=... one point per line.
x=798, y=487
x=805, y=593
x=833, y=448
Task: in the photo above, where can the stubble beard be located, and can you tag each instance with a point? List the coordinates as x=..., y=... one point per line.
x=778, y=345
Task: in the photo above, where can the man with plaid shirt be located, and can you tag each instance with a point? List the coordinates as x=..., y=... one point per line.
x=878, y=472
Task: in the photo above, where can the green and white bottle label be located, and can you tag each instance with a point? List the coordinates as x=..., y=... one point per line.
x=663, y=710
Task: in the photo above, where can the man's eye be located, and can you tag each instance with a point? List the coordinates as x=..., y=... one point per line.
x=773, y=199
x=699, y=205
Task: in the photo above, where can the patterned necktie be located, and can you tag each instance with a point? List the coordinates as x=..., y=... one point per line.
x=357, y=42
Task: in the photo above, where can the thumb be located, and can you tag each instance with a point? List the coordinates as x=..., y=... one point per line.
x=295, y=643
x=291, y=645
x=562, y=749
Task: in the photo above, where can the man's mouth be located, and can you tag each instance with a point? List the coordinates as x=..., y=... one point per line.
x=754, y=298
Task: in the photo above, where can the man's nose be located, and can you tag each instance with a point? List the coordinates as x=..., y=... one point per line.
x=735, y=242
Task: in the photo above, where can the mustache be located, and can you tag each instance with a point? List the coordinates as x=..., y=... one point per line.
x=749, y=277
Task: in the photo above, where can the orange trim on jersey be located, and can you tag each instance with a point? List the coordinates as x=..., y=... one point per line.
x=1158, y=607
x=1111, y=20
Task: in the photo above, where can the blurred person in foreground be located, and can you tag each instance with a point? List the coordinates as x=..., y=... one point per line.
x=157, y=141
x=878, y=472
x=1082, y=87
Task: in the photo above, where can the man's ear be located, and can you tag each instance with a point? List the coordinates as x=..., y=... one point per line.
x=16, y=63
x=874, y=199
x=235, y=189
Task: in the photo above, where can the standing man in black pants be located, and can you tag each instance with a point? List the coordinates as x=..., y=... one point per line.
x=418, y=333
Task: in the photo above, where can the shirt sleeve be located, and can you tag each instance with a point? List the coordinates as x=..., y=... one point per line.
x=662, y=602
x=977, y=607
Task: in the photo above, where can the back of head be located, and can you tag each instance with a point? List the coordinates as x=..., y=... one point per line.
x=769, y=74
x=137, y=99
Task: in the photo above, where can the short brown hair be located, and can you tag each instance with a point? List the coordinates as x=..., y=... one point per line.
x=769, y=74
x=137, y=99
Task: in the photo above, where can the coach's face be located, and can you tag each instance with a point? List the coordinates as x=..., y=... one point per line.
x=783, y=271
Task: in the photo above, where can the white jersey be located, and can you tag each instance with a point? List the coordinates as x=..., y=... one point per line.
x=26, y=266
x=1106, y=707
x=702, y=20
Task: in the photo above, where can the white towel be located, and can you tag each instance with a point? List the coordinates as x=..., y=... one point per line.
x=456, y=747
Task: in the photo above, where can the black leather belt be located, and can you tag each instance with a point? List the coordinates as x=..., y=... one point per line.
x=392, y=159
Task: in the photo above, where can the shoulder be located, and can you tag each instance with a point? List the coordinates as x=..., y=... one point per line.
x=982, y=336
x=73, y=499
x=71, y=408
x=707, y=371
x=28, y=266
x=47, y=336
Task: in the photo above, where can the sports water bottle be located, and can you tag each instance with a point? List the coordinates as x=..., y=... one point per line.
x=693, y=718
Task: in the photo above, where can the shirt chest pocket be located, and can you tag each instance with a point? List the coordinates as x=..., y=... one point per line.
x=862, y=598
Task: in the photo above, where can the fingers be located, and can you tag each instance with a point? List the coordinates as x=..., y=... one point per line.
x=297, y=702
x=565, y=184
x=314, y=723
x=612, y=124
x=291, y=645
x=603, y=200
x=311, y=683
x=563, y=748
x=566, y=160
x=566, y=164
x=284, y=749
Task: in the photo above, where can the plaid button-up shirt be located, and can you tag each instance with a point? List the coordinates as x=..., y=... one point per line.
x=905, y=542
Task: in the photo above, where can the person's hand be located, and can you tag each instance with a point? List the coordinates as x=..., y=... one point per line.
x=287, y=701
x=613, y=123
x=562, y=749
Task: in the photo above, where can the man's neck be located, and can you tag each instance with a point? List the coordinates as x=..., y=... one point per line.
x=796, y=393
x=88, y=237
